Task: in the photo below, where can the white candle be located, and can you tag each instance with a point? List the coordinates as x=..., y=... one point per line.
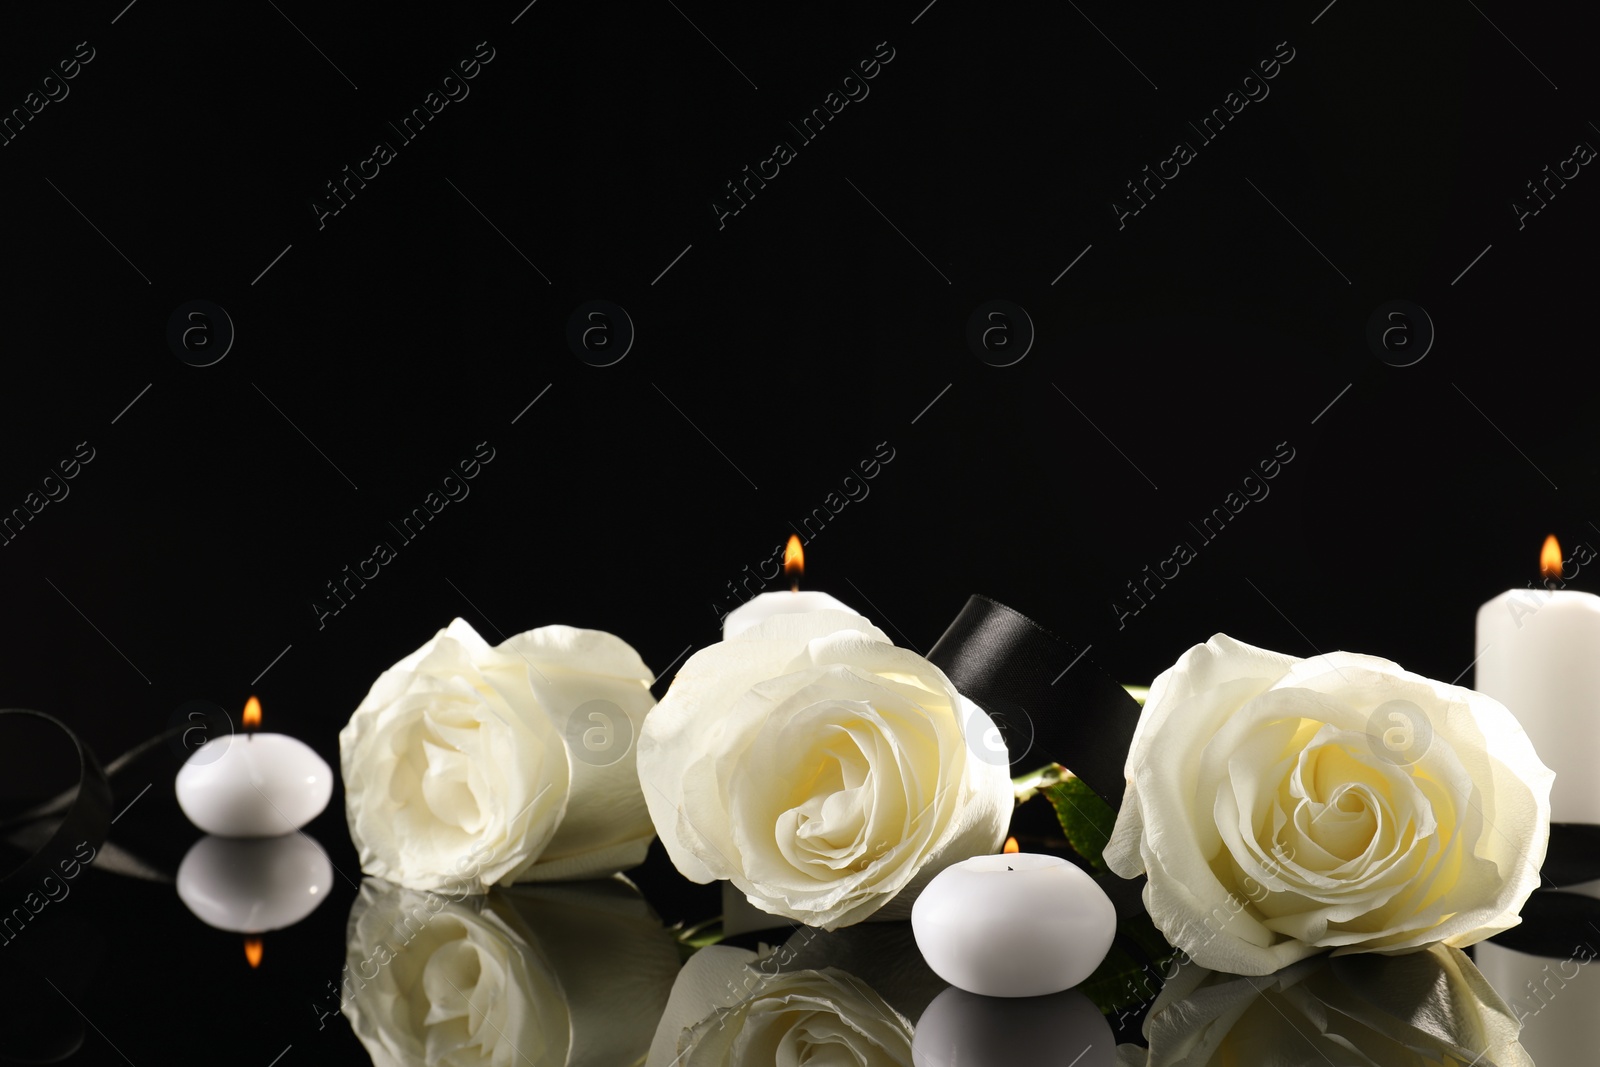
x=253, y=785
x=1539, y=655
x=250, y=887
x=765, y=605
x=1013, y=925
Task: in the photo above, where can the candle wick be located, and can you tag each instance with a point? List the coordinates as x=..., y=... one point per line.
x=794, y=586
x=1010, y=868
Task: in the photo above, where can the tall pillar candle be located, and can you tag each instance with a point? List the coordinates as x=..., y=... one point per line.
x=1539, y=655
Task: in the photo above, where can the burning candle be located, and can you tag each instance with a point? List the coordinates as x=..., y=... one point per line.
x=1539, y=655
x=765, y=605
x=1013, y=925
x=254, y=785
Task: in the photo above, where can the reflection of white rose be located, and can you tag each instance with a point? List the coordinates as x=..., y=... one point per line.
x=1428, y=1007
x=1283, y=806
x=731, y=1008
x=819, y=768
x=456, y=771
x=547, y=976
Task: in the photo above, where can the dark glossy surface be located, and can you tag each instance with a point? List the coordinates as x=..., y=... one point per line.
x=120, y=970
x=193, y=556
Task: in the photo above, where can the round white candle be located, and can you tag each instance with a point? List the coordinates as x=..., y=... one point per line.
x=961, y=1029
x=766, y=605
x=258, y=785
x=1013, y=925
x=1539, y=655
x=250, y=887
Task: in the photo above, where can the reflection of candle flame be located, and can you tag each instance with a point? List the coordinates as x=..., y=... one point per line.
x=252, y=714
x=1550, y=559
x=252, y=951
x=794, y=561
x=1011, y=846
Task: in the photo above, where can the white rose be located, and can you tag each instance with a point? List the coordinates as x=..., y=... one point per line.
x=553, y=975
x=1428, y=1007
x=456, y=764
x=728, y=1008
x=820, y=769
x=1283, y=806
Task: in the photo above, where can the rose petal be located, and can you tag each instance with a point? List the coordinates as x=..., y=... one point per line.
x=1272, y=825
x=819, y=768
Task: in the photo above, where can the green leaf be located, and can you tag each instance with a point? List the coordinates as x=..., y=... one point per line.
x=697, y=937
x=1085, y=818
x=1027, y=786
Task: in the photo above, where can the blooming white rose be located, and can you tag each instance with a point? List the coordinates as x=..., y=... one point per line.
x=546, y=976
x=458, y=759
x=820, y=769
x=1283, y=806
x=729, y=1009
x=1428, y=1007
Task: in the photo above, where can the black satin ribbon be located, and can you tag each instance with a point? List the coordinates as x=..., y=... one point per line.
x=1558, y=925
x=1573, y=856
x=1049, y=699
x=87, y=819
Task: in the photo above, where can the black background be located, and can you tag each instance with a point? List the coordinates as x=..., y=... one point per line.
x=822, y=324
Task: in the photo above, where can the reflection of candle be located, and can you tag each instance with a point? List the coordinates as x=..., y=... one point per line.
x=250, y=887
x=962, y=1029
x=258, y=785
x=1013, y=925
x=1539, y=655
x=1556, y=999
x=766, y=605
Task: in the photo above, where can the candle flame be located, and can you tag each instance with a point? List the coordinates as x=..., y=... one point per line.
x=1550, y=558
x=1011, y=846
x=252, y=951
x=794, y=561
x=252, y=714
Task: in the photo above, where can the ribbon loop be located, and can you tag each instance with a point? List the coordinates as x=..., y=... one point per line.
x=1042, y=690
